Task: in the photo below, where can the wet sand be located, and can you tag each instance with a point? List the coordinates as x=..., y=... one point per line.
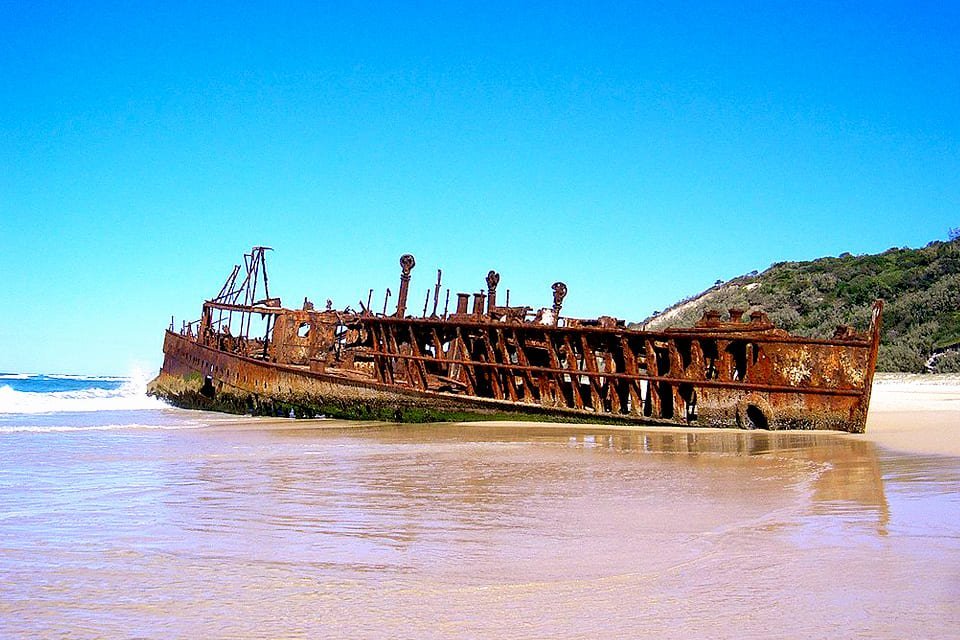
x=283, y=528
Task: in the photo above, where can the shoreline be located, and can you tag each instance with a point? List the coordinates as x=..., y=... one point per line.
x=909, y=413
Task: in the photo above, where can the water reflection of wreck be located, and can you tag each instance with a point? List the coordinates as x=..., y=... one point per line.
x=848, y=477
x=248, y=354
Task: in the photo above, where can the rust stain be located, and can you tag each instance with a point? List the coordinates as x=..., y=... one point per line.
x=249, y=353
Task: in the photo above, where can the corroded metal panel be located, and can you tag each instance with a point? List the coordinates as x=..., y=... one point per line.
x=729, y=373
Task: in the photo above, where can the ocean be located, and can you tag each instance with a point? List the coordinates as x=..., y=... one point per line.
x=121, y=517
x=68, y=403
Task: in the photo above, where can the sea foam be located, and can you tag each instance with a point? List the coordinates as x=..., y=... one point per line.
x=129, y=396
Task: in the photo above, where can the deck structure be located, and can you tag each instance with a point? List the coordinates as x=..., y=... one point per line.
x=483, y=359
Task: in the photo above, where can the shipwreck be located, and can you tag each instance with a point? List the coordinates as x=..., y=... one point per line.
x=473, y=358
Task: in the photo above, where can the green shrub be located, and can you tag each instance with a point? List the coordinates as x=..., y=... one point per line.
x=921, y=288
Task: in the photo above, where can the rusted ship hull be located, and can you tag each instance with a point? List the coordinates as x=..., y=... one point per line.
x=198, y=377
x=498, y=361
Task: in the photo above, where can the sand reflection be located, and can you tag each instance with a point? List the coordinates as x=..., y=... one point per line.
x=849, y=469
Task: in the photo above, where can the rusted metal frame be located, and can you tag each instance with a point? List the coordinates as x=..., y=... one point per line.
x=714, y=384
x=496, y=374
x=395, y=359
x=266, y=281
x=613, y=394
x=252, y=263
x=531, y=388
x=510, y=376
x=409, y=369
x=267, y=337
x=314, y=339
x=418, y=365
x=251, y=290
x=673, y=354
x=492, y=374
x=604, y=385
x=743, y=333
x=439, y=353
x=466, y=365
x=575, y=370
x=408, y=366
x=245, y=287
x=696, y=371
x=722, y=338
x=275, y=311
x=381, y=359
x=595, y=382
x=524, y=367
x=725, y=363
x=220, y=363
x=219, y=322
x=454, y=369
x=872, y=354
x=228, y=285
x=670, y=380
x=697, y=361
x=757, y=337
x=553, y=380
x=653, y=391
x=631, y=369
x=448, y=359
x=676, y=365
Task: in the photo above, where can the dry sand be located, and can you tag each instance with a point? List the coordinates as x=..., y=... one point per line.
x=915, y=413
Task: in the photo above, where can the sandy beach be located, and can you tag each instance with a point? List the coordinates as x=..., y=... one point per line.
x=915, y=413
x=909, y=413
x=157, y=522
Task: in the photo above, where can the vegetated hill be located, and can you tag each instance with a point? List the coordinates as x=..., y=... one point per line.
x=921, y=289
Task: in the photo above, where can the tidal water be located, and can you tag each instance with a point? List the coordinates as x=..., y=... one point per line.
x=121, y=518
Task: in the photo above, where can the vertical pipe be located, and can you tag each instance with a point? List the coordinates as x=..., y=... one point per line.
x=436, y=294
x=463, y=300
x=478, y=299
x=407, y=263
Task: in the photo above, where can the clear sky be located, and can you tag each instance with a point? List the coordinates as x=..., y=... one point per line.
x=636, y=151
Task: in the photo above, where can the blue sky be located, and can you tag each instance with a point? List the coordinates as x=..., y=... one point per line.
x=636, y=151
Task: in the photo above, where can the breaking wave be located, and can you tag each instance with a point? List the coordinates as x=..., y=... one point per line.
x=68, y=376
x=32, y=428
x=129, y=395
